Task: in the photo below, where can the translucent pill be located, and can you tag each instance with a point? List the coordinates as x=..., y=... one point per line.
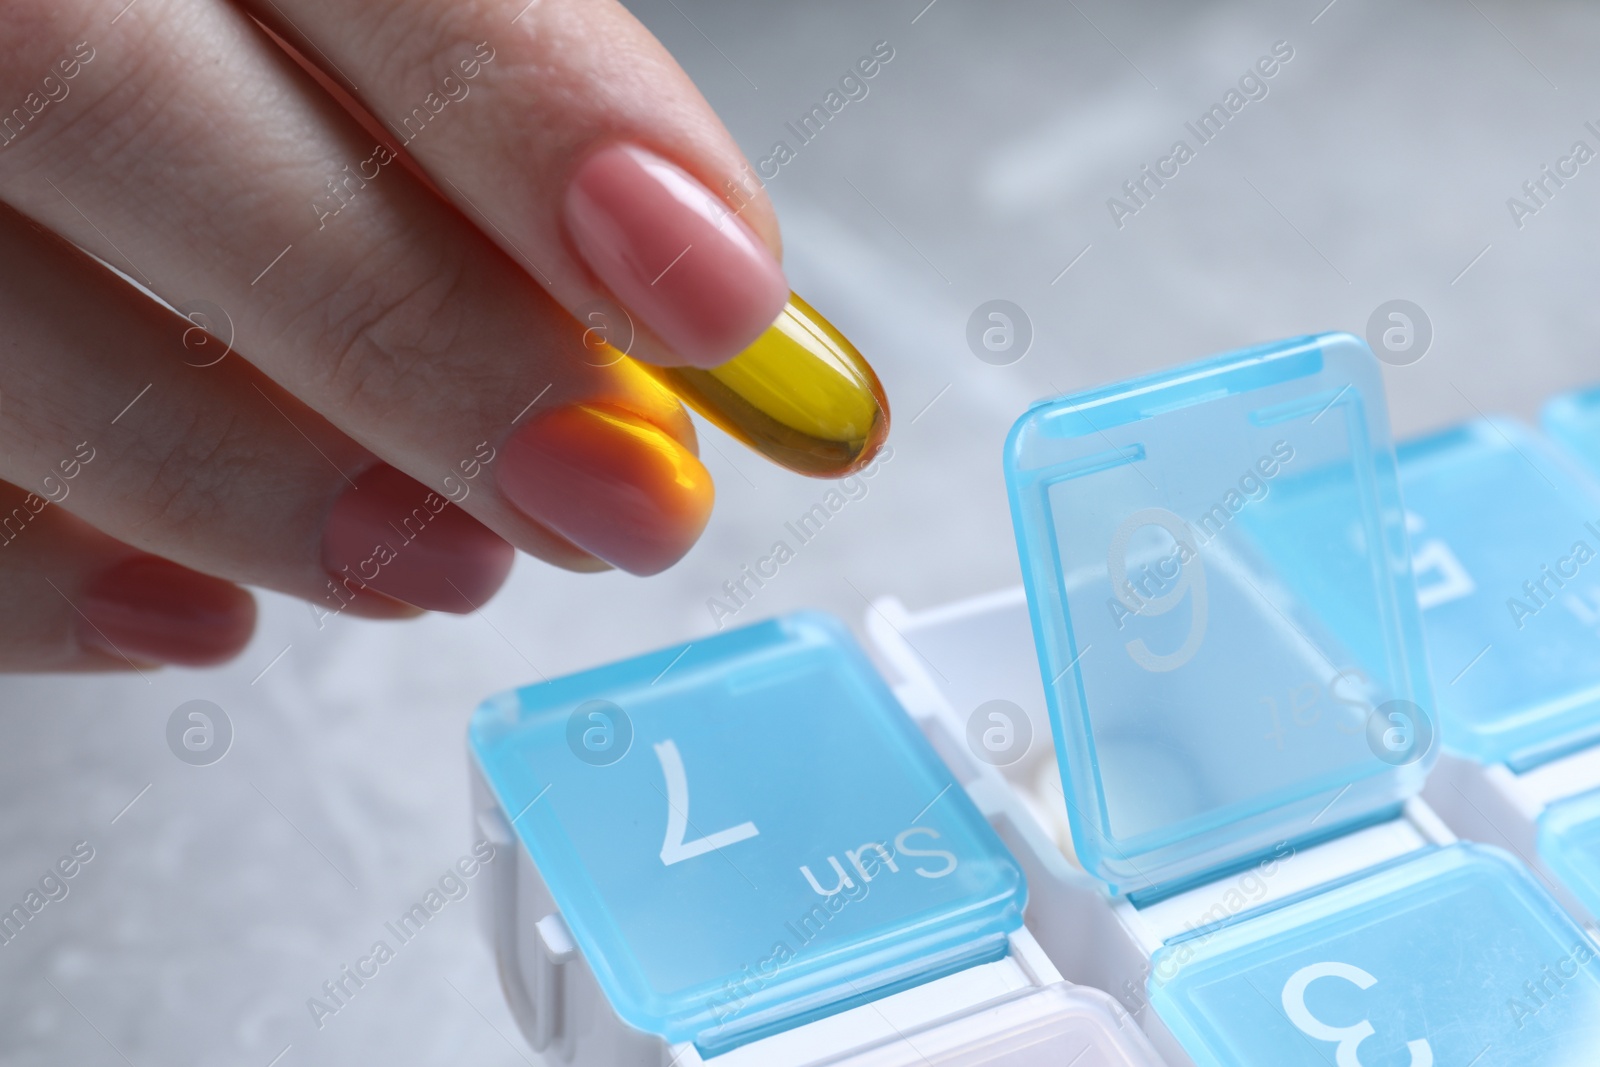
x=801, y=395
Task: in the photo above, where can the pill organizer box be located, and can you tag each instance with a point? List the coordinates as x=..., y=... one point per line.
x=1506, y=542
x=1163, y=804
x=1573, y=420
x=1232, y=717
x=743, y=850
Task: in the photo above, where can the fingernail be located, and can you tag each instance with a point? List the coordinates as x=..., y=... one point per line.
x=674, y=253
x=390, y=533
x=151, y=610
x=611, y=482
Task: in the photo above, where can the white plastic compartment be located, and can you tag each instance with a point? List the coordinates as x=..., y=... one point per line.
x=950, y=660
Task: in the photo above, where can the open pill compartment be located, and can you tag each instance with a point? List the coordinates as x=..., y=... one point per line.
x=1196, y=547
x=1220, y=590
x=1232, y=719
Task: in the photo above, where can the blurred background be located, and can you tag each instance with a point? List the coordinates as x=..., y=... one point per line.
x=977, y=167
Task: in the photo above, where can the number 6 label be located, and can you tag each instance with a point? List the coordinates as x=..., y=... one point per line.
x=1176, y=573
x=1348, y=1038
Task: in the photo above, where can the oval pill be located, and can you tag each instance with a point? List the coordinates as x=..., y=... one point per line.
x=801, y=395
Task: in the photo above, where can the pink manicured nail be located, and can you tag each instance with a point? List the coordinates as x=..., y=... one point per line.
x=390, y=533
x=150, y=610
x=673, y=253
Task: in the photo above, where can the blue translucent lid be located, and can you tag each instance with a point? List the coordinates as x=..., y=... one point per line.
x=1569, y=844
x=1574, y=420
x=1174, y=531
x=1506, y=536
x=746, y=831
x=1452, y=957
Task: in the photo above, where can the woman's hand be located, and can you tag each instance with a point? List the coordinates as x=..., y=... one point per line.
x=376, y=387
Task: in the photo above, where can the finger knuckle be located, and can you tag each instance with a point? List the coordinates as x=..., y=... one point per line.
x=183, y=486
x=390, y=336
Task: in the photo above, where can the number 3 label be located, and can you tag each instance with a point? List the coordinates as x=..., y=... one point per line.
x=1348, y=1038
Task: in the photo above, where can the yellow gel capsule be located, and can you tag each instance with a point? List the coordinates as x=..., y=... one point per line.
x=801, y=395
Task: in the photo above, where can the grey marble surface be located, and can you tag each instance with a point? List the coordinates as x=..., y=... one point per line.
x=977, y=166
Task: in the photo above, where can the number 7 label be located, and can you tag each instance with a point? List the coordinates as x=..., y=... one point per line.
x=674, y=849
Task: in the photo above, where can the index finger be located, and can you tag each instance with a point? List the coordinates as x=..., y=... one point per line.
x=571, y=137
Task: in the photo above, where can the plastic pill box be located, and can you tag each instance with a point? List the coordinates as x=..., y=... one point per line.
x=1506, y=525
x=1167, y=803
x=744, y=850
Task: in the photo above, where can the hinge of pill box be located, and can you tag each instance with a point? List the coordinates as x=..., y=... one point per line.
x=1525, y=760
x=1143, y=898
